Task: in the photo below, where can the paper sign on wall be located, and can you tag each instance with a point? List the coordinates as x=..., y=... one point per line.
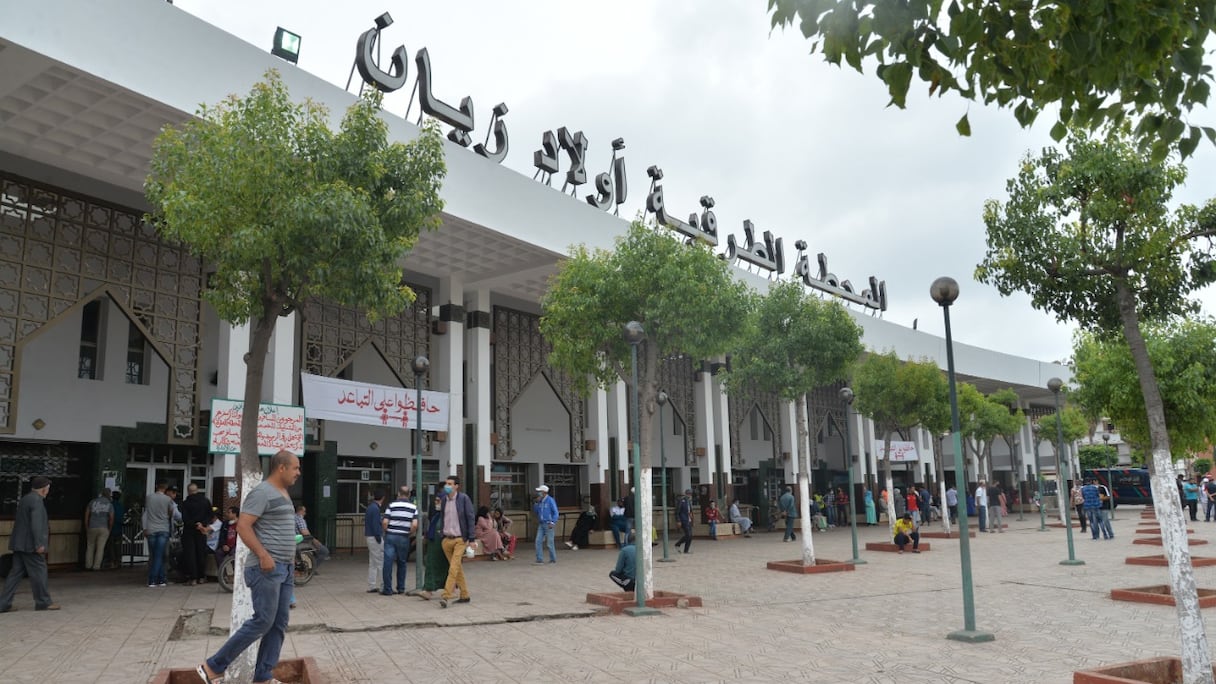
x=280, y=426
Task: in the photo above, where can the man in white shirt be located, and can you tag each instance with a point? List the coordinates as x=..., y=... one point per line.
x=981, y=504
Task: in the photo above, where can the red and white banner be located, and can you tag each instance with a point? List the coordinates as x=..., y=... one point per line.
x=349, y=401
x=900, y=451
x=280, y=426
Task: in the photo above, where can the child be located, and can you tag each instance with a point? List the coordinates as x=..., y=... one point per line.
x=711, y=516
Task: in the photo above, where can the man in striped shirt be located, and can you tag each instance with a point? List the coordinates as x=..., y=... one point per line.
x=400, y=521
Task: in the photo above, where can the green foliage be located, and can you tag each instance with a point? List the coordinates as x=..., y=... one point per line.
x=1094, y=456
x=1078, y=226
x=794, y=343
x=1201, y=466
x=1074, y=424
x=1102, y=63
x=285, y=209
x=899, y=395
x=1183, y=354
x=683, y=295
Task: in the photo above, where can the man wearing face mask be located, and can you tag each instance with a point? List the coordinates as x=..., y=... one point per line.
x=456, y=525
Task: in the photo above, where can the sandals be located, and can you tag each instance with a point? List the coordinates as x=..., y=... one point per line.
x=201, y=671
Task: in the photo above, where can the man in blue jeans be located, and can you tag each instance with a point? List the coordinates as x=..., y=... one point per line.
x=400, y=521
x=546, y=515
x=158, y=520
x=268, y=528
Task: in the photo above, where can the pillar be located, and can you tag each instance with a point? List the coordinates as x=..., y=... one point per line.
x=477, y=332
x=447, y=375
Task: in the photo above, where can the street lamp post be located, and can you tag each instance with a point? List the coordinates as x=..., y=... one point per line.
x=634, y=334
x=944, y=291
x=662, y=401
x=421, y=365
x=1055, y=384
x=846, y=395
x=1039, y=477
x=1110, y=476
x=1017, y=480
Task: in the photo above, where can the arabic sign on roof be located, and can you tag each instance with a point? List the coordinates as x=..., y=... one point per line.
x=367, y=404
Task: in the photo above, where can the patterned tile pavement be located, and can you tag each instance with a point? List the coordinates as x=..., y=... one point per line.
x=884, y=623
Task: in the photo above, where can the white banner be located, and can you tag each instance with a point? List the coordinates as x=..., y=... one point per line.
x=280, y=426
x=360, y=402
x=900, y=451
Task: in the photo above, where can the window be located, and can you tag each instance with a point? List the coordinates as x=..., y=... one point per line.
x=358, y=478
x=137, y=356
x=563, y=481
x=90, y=337
x=509, y=486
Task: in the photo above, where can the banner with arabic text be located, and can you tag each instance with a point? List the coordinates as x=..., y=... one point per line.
x=900, y=451
x=280, y=426
x=350, y=401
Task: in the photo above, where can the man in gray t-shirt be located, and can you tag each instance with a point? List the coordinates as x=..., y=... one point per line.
x=157, y=520
x=98, y=518
x=267, y=526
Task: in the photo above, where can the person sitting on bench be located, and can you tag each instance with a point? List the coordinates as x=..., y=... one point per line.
x=905, y=530
x=626, y=564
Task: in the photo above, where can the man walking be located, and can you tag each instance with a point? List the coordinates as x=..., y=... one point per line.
x=98, y=519
x=546, y=516
x=400, y=521
x=196, y=516
x=684, y=517
x=981, y=504
x=1209, y=510
x=996, y=508
x=1098, y=523
x=31, y=534
x=786, y=505
x=456, y=524
x=158, y=519
x=267, y=526
x=373, y=533
x=952, y=503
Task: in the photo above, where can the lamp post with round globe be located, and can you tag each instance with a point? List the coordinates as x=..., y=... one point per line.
x=1055, y=384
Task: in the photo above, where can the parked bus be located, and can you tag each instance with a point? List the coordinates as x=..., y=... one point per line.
x=1131, y=484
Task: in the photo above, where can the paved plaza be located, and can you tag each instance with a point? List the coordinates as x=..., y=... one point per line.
x=886, y=622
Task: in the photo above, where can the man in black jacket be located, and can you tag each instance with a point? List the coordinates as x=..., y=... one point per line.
x=31, y=534
x=196, y=515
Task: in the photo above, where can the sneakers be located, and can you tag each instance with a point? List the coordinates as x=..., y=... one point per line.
x=466, y=599
x=538, y=562
x=162, y=584
x=570, y=545
x=53, y=606
x=574, y=547
x=443, y=603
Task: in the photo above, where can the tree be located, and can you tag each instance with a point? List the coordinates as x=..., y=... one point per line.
x=1201, y=467
x=1090, y=237
x=1097, y=456
x=980, y=422
x=1009, y=423
x=1100, y=63
x=793, y=344
x=898, y=396
x=1183, y=355
x=284, y=209
x=683, y=295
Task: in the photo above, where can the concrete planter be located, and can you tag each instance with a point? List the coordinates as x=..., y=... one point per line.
x=1154, y=529
x=942, y=535
x=890, y=546
x=292, y=671
x=1151, y=671
x=1161, y=561
x=616, y=602
x=1156, y=541
x=1160, y=594
x=821, y=565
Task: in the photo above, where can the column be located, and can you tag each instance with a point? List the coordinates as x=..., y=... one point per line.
x=233, y=345
x=789, y=431
x=618, y=411
x=447, y=375
x=722, y=435
x=703, y=431
x=599, y=472
x=477, y=333
x=279, y=380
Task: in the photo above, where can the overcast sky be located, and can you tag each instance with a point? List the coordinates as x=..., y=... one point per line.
x=727, y=109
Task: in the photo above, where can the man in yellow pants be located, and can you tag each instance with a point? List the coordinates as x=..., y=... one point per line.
x=456, y=526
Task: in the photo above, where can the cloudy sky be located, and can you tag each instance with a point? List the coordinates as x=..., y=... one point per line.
x=728, y=109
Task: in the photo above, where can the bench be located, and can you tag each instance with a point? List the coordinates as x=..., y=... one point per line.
x=890, y=546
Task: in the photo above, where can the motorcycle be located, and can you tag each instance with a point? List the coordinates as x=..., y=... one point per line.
x=305, y=567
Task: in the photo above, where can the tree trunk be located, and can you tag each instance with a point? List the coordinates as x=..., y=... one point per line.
x=1196, y=656
x=941, y=481
x=886, y=473
x=249, y=470
x=649, y=392
x=804, y=484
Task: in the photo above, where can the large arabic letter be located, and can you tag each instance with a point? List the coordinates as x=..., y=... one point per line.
x=802, y=269
x=501, y=142
x=576, y=148
x=545, y=159
x=603, y=188
x=709, y=221
x=779, y=255
x=655, y=204
x=824, y=276
x=461, y=119
x=372, y=74
x=732, y=249
x=618, y=177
